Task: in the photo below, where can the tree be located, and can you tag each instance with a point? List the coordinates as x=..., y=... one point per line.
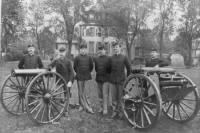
x=70, y=12
x=164, y=12
x=126, y=16
x=12, y=21
x=47, y=40
x=190, y=22
x=35, y=20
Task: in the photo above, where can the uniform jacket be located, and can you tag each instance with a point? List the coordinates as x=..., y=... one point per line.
x=30, y=62
x=64, y=68
x=118, y=65
x=102, y=68
x=83, y=66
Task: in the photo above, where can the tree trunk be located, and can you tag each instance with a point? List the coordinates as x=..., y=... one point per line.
x=38, y=40
x=190, y=50
x=128, y=47
x=69, y=47
x=161, y=42
x=161, y=37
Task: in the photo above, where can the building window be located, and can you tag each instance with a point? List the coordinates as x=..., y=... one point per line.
x=91, y=47
x=90, y=31
x=97, y=46
x=107, y=45
x=98, y=32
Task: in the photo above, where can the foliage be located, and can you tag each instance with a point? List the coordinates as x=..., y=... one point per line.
x=164, y=21
x=70, y=12
x=35, y=20
x=189, y=28
x=12, y=21
x=126, y=16
x=47, y=40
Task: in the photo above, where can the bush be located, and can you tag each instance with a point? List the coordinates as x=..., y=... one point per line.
x=13, y=56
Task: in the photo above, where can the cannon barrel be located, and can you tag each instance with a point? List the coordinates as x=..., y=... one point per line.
x=153, y=69
x=27, y=71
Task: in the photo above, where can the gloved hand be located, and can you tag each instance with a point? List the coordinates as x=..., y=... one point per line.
x=53, y=69
x=69, y=84
x=157, y=66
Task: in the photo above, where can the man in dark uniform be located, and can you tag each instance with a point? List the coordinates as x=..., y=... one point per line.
x=30, y=61
x=83, y=66
x=102, y=67
x=117, y=77
x=155, y=60
x=63, y=66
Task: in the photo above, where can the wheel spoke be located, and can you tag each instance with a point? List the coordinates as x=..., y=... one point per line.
x=187, y=106
x=34, y=102
x=56, y=103
x=38, y=111
x=12, y=108
x=18, y=80
x=11, y=87
x=142, y=118
x=186, y=99
x=47, y=82
x=59, y=98
x=137, y=114
x=149, y=110
x=10, y=97
x=22, y=104
x=18, y=107
x=147, y=116
x=169, y=107
x=43, y=82
x=55, y=84
x=34, y=88
x=43, y=112
x=179, y=113
x=11, y=101
x=149, y=103
x=38, y=84
x=10, y=92
x=173, y=113
x=34, y=96
x=35, y=108
x=184, y=110
x=59, y=87
x=134, y=115
x=54, y=106
x=13, y=82
x=59, y=93
x=49, y=113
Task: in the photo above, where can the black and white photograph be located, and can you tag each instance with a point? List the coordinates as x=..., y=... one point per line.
x=99, y=66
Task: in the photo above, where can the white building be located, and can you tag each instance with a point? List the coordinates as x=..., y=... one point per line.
x=196, y=51
x=94, y=34
x=63, y=43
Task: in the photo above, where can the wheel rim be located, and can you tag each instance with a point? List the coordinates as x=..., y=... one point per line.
x=46, y=98
x=186, y=107
x=141, y=107
x=13, y=94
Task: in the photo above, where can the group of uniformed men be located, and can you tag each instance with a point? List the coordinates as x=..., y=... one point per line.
x=110, y=71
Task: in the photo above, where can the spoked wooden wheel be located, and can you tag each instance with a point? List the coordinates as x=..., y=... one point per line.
x=183, y=106
x=141, y=102
x=13, y=94
x=47, y=97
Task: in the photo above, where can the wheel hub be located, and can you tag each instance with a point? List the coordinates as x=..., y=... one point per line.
x=21, y=91
x=47, y=96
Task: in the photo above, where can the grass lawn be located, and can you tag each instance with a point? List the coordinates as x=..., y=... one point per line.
x=82, y=122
